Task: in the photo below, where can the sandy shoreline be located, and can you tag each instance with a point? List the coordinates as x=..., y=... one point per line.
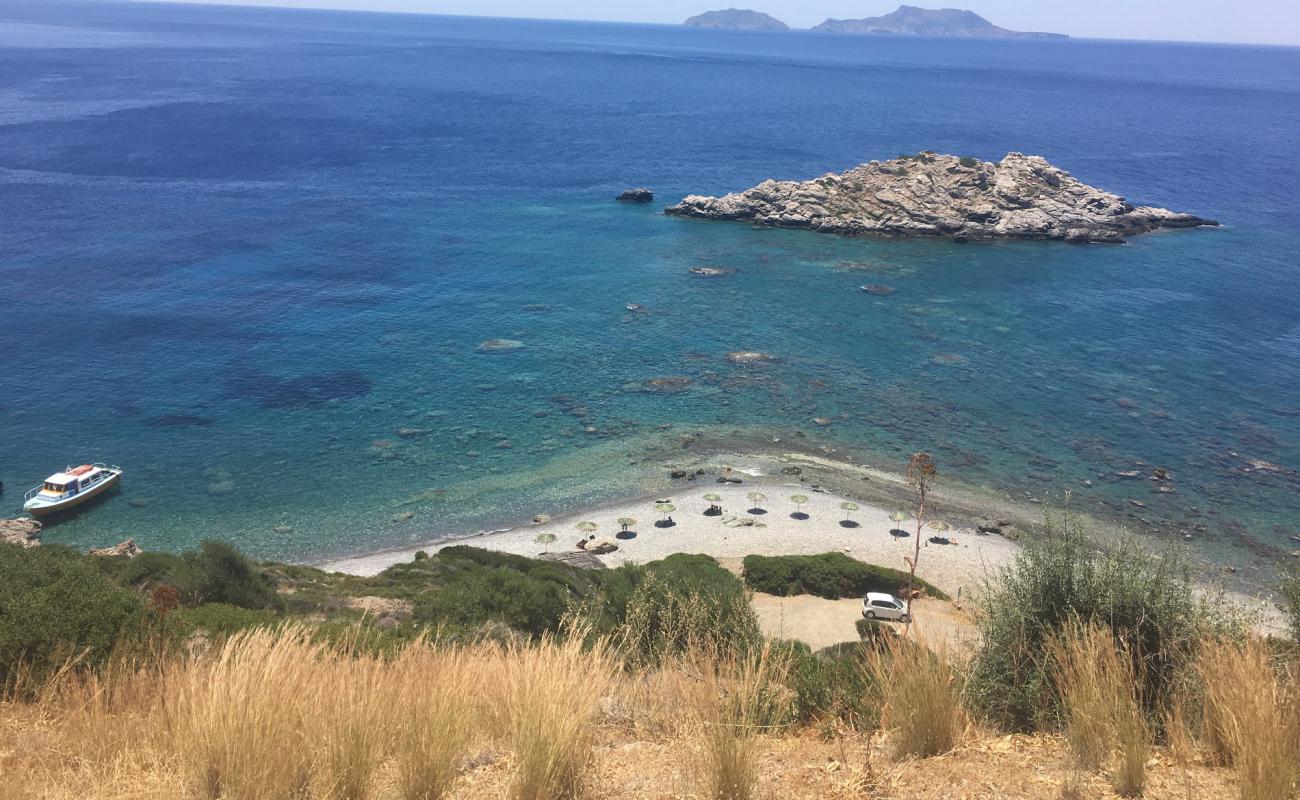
x=962, y=566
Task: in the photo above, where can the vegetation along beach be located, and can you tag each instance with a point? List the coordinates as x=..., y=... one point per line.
x=818, y=400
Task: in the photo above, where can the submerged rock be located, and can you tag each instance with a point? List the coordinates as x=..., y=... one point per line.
x=499, y=345
x=668, y=384
x=878, y=289
x=713, y=272
x=1020, y=197
x=750, y=357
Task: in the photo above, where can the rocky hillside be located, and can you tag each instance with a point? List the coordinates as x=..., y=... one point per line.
x=736, y=19
x=913, y=21
x=1020, y=197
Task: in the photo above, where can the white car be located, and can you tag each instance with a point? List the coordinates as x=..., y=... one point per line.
x=878, y=605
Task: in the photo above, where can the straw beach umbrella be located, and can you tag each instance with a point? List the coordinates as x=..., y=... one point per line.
x=756, y=498
x=587, y=527
x=849, y=508
x=666, y=509
x=626, y=522
x=799, y=500
x=546, y=539
x=713, y=499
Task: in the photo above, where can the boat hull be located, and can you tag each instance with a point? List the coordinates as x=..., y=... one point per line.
x=41, y=509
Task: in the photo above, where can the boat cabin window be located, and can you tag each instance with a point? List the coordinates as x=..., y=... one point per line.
x=55, y=487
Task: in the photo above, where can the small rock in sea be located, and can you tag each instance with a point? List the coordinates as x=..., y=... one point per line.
x=282, y=529
x=1131, y=473
x=728, y=479
x=405, y=516
x=822, y=421
x=1125, y=402
x=589, y=429
x=499, y=345
x=750, y=357
x=638, y=195
x=790, y=470
x=636, y=308
x=677, y=474
x=541, y=519
x=504, y=444
x=413, y=433
x=1137, y=503
x=878, y=289
x=139, y=502
x=713, y=272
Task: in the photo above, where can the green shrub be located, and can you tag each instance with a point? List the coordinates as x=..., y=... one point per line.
x=527, y=603
x=1148, y=604
x=55, y=604
x=216, y=573
x=829, y=575
x=968, y=162
x=1289, y=589
x=831, y=684
x=223, y=619
x=870, y=630
x=667, y=607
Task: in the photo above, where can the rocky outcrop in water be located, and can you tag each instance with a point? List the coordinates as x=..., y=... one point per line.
x=22, y=532
x=641, y=195
x=1020, y=197
x=913, y=21
x=736, y=19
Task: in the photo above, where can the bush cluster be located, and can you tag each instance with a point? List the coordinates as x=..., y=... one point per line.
x=830, y=575
x=215, y=573
x=666, y=608
x=1289, y=589
x=54, y=606
x=1148, y=604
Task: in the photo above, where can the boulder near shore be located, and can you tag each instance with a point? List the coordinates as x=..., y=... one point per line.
x=23, y=532
x=929, y=194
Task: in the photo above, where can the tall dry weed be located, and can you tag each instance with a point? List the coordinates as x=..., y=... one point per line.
x=1098, y=688
x=1252, y=716
x=742, y=699
x=921, y=691
x=435, y=715
x=549, y=708
x=241, y=719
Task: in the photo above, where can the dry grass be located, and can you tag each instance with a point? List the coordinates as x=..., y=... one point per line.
x=435, y=719
x=549, y=707
x=742, y=700
x=1252, y=717
x=922, y=690
x=279, y=715
x=1098, y=688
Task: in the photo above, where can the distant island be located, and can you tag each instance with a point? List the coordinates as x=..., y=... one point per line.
x=913, y=21
x=905, y=21
x=736, y=19
x=927, y=194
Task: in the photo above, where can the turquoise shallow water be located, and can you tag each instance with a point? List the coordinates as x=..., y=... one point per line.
x=242, y=248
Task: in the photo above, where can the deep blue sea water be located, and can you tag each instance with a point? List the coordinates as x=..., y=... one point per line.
x=240, y=248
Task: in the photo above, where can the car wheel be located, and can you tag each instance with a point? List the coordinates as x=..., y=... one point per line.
x=906, y=619
x=870, y=614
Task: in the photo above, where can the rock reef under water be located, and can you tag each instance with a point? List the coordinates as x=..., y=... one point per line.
x=928, y=194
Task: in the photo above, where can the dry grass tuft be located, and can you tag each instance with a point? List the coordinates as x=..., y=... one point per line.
x=921, y=691
x=435, y=718
x=1252, y=717
x=549, y=707
x=241, y=720
x=1098, y=689
x=742, y=701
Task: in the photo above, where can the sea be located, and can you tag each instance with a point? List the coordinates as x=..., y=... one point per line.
x=253, y=256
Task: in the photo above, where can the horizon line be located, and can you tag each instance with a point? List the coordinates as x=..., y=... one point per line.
x=415, y=13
